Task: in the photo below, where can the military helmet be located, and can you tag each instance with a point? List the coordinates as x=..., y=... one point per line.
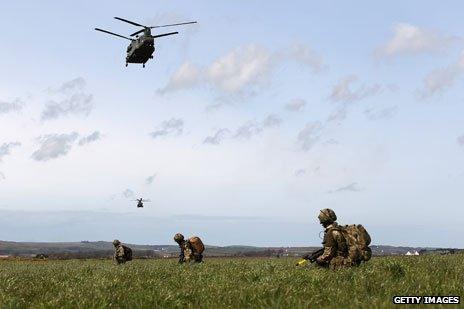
x=116, y=242
x=327, y=215
x=178, y=237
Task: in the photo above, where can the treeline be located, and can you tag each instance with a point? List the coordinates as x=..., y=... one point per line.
x=149, y=254
x=84, y=254
x=100, y=254
x=259, y=253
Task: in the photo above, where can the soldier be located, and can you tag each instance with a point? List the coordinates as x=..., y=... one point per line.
x=122, y=254
x=190, y=250
x=335, y=253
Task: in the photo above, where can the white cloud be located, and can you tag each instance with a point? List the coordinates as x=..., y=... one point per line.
x=13, y=106
x=76, y=104
x=460, y=140
x=305, y=171
x=344, y=94
x=5, y=149
x=411, y=40
x=303, y=54
x=241, y=71
x=339, y=113
x=95, y=136
x=2, y=176
x=384, y=113
x=217, y=137
x=295, y=105
x=300, y=172
x=187, y=76
x=309, y=135
x=149, y=180
x=54, y=145
x=248, y=130
x=128, y=193
x=245, y=131
x=439, y=80
x=77, y=84
x=352, y=187
x=271, y=121
x=173, y=126
x=342, y=91
x=251, y=128
x=74, y=100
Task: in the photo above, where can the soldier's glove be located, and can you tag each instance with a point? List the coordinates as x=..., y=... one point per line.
x=319, y=261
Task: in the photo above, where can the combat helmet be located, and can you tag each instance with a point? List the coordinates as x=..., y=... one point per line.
x=327, y=215
x=116, y=242
x=178, y=237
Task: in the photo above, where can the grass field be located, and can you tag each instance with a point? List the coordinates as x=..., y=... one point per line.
x=224, y=283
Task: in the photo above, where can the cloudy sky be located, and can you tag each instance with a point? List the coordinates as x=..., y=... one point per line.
x=240, y=129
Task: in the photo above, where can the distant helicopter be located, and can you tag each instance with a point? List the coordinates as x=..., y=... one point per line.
x=140, y=202
x=141, y=49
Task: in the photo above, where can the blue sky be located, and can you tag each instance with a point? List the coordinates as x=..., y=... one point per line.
x=248, y=122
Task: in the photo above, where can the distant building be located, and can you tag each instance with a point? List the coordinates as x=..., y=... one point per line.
x=412, y=253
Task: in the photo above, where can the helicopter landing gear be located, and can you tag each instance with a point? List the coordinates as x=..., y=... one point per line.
x=126, y=64
x=143, y=65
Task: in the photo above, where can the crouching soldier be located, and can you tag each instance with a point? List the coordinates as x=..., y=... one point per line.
x=191, y=250
x=122, y=254
x=335, y=248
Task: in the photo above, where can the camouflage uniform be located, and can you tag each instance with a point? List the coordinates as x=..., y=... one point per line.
x=187, y=253
x=119, y=255
x=335, y=253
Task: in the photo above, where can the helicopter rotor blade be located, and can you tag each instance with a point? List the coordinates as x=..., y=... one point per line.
x=112, y=33
x=137, y=32
x=170, y=25
x=165, y=34
x=129, y=22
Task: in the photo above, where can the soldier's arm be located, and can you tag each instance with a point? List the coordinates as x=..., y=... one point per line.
x=330, y=249
x=181, y=255
x=119, y=252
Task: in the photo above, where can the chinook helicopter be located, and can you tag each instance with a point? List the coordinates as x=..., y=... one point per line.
x=141, y=48
x=140, y=202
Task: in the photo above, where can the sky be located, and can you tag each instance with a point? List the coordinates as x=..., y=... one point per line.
x=241, y=128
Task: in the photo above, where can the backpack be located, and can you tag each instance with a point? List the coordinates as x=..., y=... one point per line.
x=127, y=253
x=358, y=241
x=197, y=244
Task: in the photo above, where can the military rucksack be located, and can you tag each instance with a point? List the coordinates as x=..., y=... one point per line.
x=358, y=241
x=197, y=244
x=127, y=253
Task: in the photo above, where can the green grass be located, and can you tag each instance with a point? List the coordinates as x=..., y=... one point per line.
x=224, y=283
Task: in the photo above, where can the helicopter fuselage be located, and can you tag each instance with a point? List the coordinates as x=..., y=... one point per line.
x=140, y=50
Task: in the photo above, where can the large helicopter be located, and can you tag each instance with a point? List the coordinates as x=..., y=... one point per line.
x=140, y=202
x=141, y=48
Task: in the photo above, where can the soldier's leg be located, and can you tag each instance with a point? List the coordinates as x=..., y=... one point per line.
x=198, y=258
x=121, y=260
x=337, y=263
x=341, y=262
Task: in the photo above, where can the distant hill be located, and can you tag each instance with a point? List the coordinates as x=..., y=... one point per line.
x=104, y=249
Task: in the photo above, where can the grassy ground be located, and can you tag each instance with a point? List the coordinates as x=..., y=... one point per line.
x=224, y=283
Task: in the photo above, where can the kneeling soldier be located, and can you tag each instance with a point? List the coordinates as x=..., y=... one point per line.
x=191, y=250
x=122, y=253
x=335, y=253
